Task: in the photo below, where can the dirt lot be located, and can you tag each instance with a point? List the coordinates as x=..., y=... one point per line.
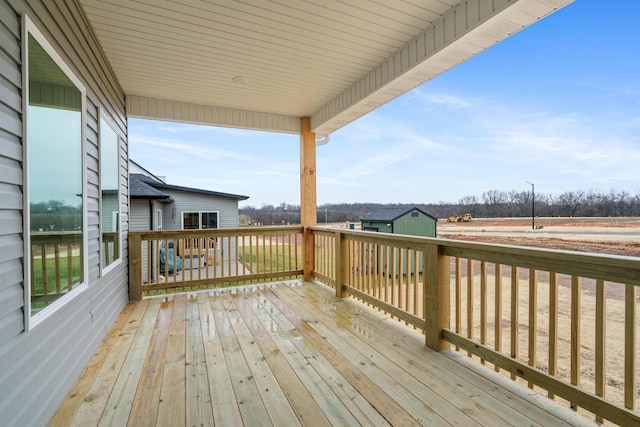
x=619, y=236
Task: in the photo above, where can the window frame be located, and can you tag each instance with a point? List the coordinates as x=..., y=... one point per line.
x=31, y=321
x=103, y=116
x=199, y=219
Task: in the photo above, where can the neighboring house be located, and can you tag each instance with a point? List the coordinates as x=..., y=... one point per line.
x=412, y=221
x=156, y=205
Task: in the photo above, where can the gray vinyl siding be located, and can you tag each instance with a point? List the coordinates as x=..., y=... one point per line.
x=11, y=180
x=38, y=367
x=195, y=202
x=139, y=220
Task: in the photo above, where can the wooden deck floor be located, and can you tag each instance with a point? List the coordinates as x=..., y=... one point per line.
x=286, y=355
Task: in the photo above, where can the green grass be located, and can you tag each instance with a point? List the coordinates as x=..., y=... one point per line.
x=261, y=260
x=38, y=302
x=52, y=275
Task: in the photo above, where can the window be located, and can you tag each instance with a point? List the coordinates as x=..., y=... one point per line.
x=159, y=219
x=109, y=193
x=199, y=220
x=56, y=266
x=415, y=214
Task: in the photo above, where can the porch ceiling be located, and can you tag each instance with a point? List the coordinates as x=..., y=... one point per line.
x=263, y=64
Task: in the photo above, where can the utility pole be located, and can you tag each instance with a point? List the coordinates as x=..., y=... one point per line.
x=533, y=205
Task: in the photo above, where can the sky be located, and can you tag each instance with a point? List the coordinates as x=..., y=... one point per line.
x=557, y=105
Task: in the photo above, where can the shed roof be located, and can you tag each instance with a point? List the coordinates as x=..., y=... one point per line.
x=391, y=214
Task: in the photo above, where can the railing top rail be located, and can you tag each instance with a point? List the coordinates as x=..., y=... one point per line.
x=248, y=231
x=55, y=237
x=615, y=268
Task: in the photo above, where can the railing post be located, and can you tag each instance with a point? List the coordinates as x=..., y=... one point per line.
x=308, y=254
x=135, y=269
x=436, y=282
x=341, y=253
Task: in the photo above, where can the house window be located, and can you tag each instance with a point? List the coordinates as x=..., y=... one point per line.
x=415, y=214
x=110, y=194
x=199, y=220
x=56, y=265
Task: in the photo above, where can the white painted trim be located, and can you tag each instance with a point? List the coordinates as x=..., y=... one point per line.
x=465, y=30
x=160, y=109
x=102, y=115
x=28, y=27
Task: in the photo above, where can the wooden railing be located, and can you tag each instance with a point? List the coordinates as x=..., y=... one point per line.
x=561, y=322
x=177, y=261
x=55, y=264
x=110, y=247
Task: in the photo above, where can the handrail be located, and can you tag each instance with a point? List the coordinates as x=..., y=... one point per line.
x=184, y=260
x=55, y=265
x=533, y=300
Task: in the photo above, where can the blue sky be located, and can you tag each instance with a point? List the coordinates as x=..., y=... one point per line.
x=557, y=104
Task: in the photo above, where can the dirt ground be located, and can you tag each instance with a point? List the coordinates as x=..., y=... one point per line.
x=618, y=236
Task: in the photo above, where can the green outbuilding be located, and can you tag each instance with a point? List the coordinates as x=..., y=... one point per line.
x=412, y=221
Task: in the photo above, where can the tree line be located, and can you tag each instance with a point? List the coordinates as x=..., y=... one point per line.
x=55, y=215
x=491, y=204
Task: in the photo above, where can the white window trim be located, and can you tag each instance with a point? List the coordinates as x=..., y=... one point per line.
x=199, y=218
x=159, y=219
x=104, y=270
x=30, y=322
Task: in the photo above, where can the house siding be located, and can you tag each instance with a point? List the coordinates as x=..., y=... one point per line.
x=38, y=367
x=193, y=202
x=140, y=221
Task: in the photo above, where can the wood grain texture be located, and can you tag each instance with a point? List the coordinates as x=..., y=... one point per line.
x=288, y=354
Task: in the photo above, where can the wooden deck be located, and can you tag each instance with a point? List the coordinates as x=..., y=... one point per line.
x=285, y=355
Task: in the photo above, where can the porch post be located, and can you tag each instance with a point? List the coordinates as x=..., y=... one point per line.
x=308, y=205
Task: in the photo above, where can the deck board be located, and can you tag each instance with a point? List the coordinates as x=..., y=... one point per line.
x=172, y=404
x=289, y=354
x=438, y=374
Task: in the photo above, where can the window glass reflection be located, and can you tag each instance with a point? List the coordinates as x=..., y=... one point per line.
x=54, y=150
x=110, y=206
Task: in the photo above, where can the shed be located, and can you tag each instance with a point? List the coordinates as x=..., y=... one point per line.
x=412, y=221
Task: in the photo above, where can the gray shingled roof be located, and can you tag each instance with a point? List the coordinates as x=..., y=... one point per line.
x=139, y=189
x=145, y=187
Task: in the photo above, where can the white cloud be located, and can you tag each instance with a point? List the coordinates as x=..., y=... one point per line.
x=434, y=99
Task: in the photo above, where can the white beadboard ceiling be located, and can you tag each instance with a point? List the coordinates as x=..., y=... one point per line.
x=263, y=64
